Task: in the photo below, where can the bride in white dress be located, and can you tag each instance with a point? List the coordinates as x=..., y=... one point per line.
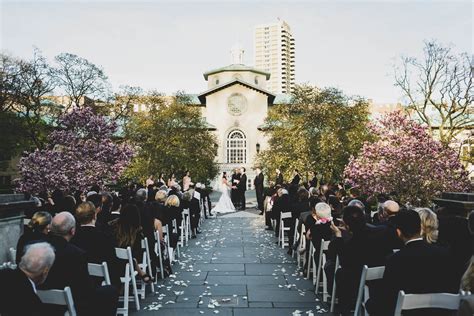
x=224, y=205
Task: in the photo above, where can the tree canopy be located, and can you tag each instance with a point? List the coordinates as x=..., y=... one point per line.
x=171, y=137
x=318, y=131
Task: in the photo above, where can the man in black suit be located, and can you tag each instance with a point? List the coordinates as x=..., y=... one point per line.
x=18, y=287
x=234, y=192
x=279, y=177
x=98, y=246
x=258, y=183
x=296, y=178
x=417, y=268
x=70, y=269
x=242, y=187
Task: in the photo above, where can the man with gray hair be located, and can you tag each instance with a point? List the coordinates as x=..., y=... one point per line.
x=70, y=269
x=18, y=287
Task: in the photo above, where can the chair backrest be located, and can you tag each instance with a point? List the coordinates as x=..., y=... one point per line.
x=430, y=300
x=26, y=221
x=197, y=195
x=285, y=215
x=125, y=254
x=185, y=211
x=12, y=253
x=324, y=245
x=99, y=270
x=374, y=273
x=58, y=297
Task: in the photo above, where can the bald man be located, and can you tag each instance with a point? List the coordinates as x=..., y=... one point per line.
x=70, y=269
x=390, y=210
x=18, y=287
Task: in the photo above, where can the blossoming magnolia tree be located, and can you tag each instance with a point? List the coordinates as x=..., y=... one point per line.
x=407, y=162
x=79, y=153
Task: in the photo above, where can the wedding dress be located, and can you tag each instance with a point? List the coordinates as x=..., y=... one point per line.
x=224, y=205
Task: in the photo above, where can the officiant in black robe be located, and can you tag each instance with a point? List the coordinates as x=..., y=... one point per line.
x=234, y=192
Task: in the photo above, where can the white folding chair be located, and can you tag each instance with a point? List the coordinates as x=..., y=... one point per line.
x=319, y=268
x=310, y=262
x=26, y=221
x=160, y=254
x=301, y=246
x=283, y=229
x=129, y=276
x=58, y=297
x=166, y=236
x=185, y=228
x=431, y=300
x=12, y=253
x=368, y=274
x=99, y=270
x=176, y=231
x=145, y=265
x=333, y=295
x=295, y=236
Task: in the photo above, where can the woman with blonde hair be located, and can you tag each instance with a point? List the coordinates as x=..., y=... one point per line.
x=429, y=225
x=35, y=231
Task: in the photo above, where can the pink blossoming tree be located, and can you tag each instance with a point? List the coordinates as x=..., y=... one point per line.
x=80, y=153
x=407, y=162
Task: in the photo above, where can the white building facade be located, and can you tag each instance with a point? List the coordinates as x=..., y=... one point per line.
x=235, y=106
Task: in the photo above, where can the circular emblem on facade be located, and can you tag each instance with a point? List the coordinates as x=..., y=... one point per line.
x=236, y=104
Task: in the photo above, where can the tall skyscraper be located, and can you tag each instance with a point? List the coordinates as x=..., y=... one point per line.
x=274, y=48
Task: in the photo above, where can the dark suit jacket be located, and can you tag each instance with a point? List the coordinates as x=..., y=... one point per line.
x=258, y=182
x=17, y=296
x=296, y=180
x=99, y=247
x=28, y=237
x=70, y=269
x=418, y=268
x=279, y=179
x=242, y=186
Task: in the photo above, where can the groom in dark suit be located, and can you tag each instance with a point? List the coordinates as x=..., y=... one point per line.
x=258, y=183
x=242, y=187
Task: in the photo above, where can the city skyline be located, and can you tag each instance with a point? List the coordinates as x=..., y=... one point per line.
x=168, y=46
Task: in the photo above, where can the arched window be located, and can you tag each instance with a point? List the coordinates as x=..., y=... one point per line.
x=236, y=147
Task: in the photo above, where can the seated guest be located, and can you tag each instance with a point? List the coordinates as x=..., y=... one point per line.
x=417, y=268
x=281, y=205
x=429, y=225
x=318, y=227
x=205, y=199
x=466, y=307
x=173, y=211
x=115, y=210
x=390, y=210
x=70, y=269
x=454, y=233
x=18, y=287
x=127, y=232
x=158, y=210
x=366, y=246
x=37, y=229
x=97, y=245
x=300, y=205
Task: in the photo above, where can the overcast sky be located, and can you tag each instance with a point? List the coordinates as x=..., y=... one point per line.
x=167, y=45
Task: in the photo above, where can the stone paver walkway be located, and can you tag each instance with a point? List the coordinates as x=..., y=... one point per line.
x=234, y=268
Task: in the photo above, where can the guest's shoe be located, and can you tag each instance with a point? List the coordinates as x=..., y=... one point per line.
x=193, y=236
x=261, y=213
x=289, y=252
x=198, y=231
x=268, y=228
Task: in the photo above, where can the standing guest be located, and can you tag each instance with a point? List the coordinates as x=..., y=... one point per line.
x=318, y=227
x=159, y=211
x=279, y=177
x=186, y=180
x=70, y=269
x=149, y=181
x=234, y=192
x=18, y=287
x=296, y=178
x=205, y=199
x=258, y=183
x=36, y=230
x=161, y=180
x=313, y=181
x=97, y=245
x=173, y=212
x=417, y=268
x=242, y=187
x=171, y=181
x=116, y=205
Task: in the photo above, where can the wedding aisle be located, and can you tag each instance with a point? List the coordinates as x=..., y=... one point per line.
x=234, y=268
